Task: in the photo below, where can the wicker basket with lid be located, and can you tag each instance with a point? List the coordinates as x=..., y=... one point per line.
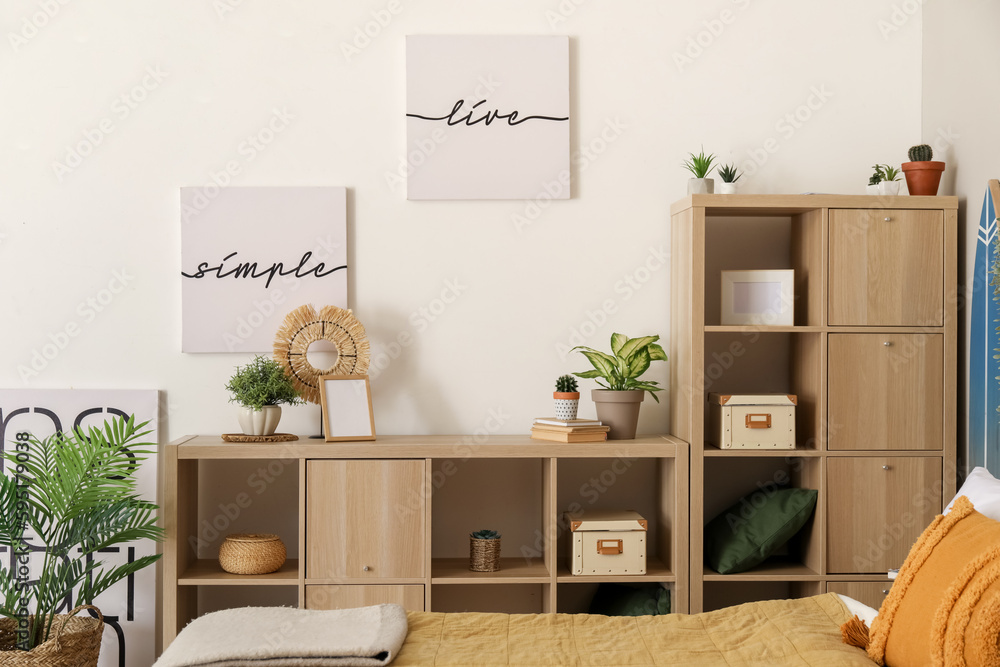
x=252, y=553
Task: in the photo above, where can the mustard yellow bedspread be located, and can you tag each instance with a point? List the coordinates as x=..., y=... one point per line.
x=776, y=633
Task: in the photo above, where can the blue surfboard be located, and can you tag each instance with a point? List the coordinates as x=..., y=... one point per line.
x=984, y=345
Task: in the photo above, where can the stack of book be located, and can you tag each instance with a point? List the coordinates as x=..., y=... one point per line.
x=569, y=430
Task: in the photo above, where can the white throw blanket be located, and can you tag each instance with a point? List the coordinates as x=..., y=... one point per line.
x=282, y=636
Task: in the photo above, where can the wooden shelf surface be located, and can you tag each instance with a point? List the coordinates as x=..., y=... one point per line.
x=656, y=571
x=773, y=569
x=753, y=328
x=208, y=572
x=512, y=571
x=429, y=446
x=778, y=205
x=713, y=451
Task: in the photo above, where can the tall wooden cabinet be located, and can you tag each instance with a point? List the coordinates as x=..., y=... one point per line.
x=871, y=355
x=388, y=521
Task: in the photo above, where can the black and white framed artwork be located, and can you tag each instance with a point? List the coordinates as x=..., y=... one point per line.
x=487, y=117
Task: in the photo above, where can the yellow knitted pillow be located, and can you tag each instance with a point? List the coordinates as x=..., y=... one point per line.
x=944, y=607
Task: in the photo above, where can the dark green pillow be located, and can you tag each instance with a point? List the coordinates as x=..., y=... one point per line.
x=747, y=533
x=630, y=600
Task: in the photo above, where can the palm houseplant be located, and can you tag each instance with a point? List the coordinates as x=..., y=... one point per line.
x=619, y=376
x=700, y=166
x=74, y=495
x=260, y=388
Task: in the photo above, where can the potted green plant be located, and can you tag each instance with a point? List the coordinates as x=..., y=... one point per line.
x=700, y=166
x=567, y=397
x=260, y=388
x=484, y=551
x=923, y=174
x=728, y=174
x=874, y=180
x=618, y=402
x=75, y=494
x=889, y=185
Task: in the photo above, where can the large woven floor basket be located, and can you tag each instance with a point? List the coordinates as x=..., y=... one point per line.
x=75, y=642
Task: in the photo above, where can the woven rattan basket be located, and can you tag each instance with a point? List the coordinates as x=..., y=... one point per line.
x=75, y=642
x=249, y=553
x=484, y=555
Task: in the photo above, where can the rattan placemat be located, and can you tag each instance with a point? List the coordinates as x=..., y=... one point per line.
x=277, y=437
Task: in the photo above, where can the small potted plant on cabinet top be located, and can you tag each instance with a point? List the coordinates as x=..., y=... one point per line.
x=484, y=551
x=618, y=402
x=567, y=397
x=889, y=185
x=260, y=388
x=923, y=174
x=874, y=180
x=729, y=175
x=700, y=166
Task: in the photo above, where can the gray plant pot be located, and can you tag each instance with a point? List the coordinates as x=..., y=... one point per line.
x=701, y=186
x=619, y=410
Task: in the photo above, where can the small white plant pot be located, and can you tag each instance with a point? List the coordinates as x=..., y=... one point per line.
x=566, y=404
x=888, y=188
x=727, y=188
x=701, y=186
x=871, y=189
x=259, y=422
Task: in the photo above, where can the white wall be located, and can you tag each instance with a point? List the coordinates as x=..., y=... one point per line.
x=637, y=110
x=961, y=108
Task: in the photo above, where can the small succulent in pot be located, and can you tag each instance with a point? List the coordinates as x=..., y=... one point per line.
x=729, y=175
x=923, y=173
x=700, y=166
x=889, y=185
x=485, y=535
x=567, y=397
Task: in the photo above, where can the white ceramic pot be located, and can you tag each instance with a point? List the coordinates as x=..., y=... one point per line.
x=888, y=188
x=727, y=188
x=567, y=404
x=871, y=189
x=701, y=186
x=259, y=422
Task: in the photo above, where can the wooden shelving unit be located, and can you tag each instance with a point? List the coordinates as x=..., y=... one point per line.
x=389, y=520
x=871, y=355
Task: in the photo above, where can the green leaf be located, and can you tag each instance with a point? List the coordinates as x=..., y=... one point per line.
x=635, y=344
x=639, y=364
x=656, y=352
x=617, y=341
x=601, y=361
x=589, y=374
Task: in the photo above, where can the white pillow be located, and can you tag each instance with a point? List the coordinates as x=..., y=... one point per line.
x=983, y=489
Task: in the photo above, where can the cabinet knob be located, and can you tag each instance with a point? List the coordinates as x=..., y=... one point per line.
x=888, y=343
x=366, y=568
x=887, y=219
x=885, y=591
x=883, y=468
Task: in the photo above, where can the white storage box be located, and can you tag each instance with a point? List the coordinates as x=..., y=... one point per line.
x=607, y=542
x=752, y=421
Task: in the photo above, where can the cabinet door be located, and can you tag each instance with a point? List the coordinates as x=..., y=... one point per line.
x=878, y=506
x=886, y=267
x=365, y=519
x=886, y=391
x=411, y=597
x=871, y=593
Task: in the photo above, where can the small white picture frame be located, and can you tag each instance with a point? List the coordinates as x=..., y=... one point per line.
x=346, y=402
x=762, y=297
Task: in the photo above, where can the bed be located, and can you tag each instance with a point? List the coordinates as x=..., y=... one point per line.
x=803, y=632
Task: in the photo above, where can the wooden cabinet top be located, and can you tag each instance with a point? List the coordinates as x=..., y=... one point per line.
x=792, y=204
x=427, y=446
